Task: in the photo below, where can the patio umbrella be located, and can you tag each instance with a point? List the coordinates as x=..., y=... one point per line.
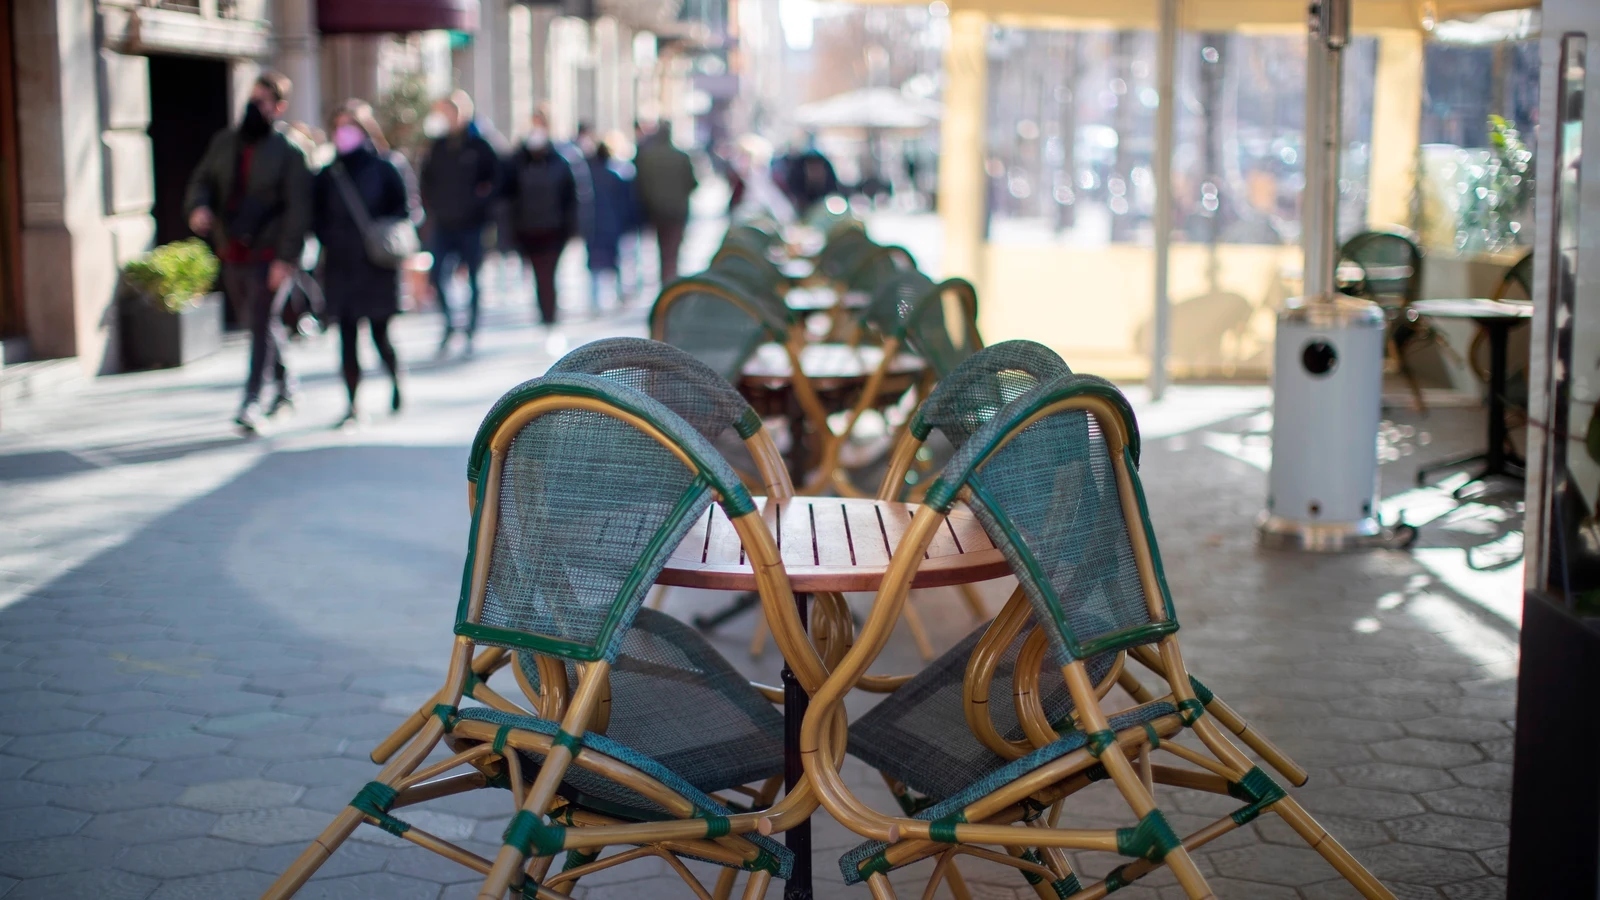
x=872, y=109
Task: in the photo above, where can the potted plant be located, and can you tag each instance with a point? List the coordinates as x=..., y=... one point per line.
x=169, y=315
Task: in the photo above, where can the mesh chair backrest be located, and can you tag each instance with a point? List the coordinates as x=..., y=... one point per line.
x=588, y=510
x=1047, y=493
x=760, y=277
x=943, y=340
x=977, y=389
x=893, y=302
x=880, y=265
x=677, y=380
x=1391, y=263
x=748, y=237
x=715, y=322
x=843, y=252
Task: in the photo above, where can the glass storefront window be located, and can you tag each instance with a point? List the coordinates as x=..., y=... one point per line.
x=1071, y=137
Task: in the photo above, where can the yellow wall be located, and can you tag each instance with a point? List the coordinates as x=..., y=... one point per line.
x=1094, y=305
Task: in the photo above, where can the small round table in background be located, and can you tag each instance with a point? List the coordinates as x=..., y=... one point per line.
x=837, y=372
x=1497, y=318
x=827, y=544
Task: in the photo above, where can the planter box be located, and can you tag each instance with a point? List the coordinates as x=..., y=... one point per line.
x=153, y=338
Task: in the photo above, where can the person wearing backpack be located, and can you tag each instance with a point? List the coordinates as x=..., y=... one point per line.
x=353, y=198
x=543, y=197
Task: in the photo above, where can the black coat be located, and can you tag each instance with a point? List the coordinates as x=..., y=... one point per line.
x=458, y=176
x=543, y=194
x=353, y=286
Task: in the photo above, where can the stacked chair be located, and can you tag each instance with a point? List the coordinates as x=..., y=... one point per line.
x=622, y=729
x=1051, y=475
x=630, y=722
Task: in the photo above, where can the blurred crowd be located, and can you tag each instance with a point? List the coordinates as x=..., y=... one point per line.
x=321, y=223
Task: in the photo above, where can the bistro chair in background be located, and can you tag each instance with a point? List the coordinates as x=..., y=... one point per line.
x=1052, y=480
x=1386, y=268
x=584, y=488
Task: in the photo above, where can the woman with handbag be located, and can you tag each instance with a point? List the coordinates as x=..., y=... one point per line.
x=364, y=212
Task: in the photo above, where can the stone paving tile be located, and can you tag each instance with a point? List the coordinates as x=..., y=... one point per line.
x=101, y=884
x=239, y=696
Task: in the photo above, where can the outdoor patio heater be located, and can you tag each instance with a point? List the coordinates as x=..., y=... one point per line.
x=1327, y=375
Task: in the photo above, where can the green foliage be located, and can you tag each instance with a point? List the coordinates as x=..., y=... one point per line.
x=1497, y=191
x=175, y=275
x=401, y=110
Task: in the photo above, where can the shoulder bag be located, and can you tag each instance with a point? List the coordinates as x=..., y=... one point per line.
x=389, y=240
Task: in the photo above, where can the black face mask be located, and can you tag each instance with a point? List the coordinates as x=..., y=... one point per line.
x=255, y=124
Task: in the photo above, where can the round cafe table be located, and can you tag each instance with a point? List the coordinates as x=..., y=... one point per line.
x=827, y=544
x=1497, y=318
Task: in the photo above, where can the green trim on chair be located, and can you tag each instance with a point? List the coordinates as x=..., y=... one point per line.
x=532, y=837
x=1259, y=788
x=374, y=800
x=944, y=830
x=1151, y=839
x=1190, y=711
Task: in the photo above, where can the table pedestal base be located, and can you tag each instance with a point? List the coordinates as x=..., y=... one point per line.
x=1492, y=468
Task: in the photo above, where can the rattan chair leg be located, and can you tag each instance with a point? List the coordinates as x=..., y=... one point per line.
x=942, y=868
x=312, y=858
x=756, y=887
x=919, y=631
x=724, y=888
x=1330, y=849
x=657, y=597
x=758, y=641
x=958, y=883
x=974, y=602
x=880, y=888
x=1178, y=859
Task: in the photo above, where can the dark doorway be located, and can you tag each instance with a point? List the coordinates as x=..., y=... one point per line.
x=188, y=104
x=10, y=219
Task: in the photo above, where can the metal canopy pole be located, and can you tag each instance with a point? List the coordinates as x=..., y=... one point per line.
x=1166, y=78
x=1327, y=373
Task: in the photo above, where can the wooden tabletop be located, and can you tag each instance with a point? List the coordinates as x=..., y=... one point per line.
x=1473, y=308
x=833, y=544
x=824, y=363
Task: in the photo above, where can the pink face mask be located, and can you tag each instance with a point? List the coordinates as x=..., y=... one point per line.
x=348, y=138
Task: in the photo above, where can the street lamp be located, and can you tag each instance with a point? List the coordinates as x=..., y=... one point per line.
x=1327, y=376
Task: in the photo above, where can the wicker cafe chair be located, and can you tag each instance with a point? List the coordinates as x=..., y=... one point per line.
x=584, y=488
x=720, y=323
x=707, y=402
x=1390, y=266
x=1052, y=480
x=754, y=272
x=716, y=321
x=907, y=313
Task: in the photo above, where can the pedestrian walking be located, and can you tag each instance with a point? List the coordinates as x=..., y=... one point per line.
x=364, y=185
x=459, y=176
x=664, y=177
x=809, y=177
x=250, y=196
x=544, y=210
x=614, y=213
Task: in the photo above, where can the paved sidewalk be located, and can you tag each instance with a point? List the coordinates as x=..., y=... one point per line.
x=201, y=637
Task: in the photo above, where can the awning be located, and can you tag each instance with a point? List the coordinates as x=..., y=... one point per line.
x=395, y=16
x=869, y=108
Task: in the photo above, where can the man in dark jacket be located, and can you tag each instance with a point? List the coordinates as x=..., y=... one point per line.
x=664, y=177
x=458, y=180
x=544, y=210
x=251, y=196
x=809, y=177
